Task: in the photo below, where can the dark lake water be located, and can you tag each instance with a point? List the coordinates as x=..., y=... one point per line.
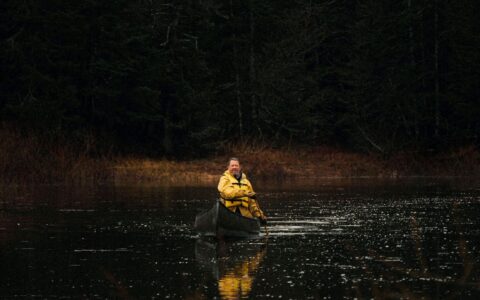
x=328, y=240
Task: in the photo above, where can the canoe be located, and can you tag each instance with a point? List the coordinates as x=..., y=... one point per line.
x=219, y=221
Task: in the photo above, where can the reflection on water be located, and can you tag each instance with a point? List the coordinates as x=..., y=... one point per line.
x=393, y=240
x=232, y=264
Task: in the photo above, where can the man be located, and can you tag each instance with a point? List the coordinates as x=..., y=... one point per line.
x=237, y=194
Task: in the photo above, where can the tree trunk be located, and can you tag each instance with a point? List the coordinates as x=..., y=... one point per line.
x=167, y=128
x=253, y=99
x=437, y=79
x=413, y=65
x=239, y=99
x=237, y=77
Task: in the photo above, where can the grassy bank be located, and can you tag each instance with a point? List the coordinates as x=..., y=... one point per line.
x=27, y=159
x=265, y=163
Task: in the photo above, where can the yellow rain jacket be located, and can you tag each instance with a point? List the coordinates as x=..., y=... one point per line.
x=233, y=195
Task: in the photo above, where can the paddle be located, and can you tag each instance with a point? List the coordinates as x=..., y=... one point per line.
x=263, y=222
x=266, y=229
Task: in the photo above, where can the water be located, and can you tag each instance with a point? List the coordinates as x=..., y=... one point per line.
x=328, y=240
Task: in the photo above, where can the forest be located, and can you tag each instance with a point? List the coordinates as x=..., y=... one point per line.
x=165, y=78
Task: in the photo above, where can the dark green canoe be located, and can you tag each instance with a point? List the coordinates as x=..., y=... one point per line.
x=219, y=222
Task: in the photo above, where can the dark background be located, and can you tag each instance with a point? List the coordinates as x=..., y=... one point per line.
x=181, y=78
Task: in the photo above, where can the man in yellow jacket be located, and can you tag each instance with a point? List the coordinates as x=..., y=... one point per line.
x=236, y=192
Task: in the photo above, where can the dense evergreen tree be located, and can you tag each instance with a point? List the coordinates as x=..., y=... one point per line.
x=168, y=77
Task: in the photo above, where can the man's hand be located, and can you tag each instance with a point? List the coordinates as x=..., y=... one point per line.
x=251, y=195
x=263, y=220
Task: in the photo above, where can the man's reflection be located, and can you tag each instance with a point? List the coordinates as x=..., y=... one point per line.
x=233, y=264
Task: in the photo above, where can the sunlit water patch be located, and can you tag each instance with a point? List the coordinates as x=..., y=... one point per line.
x=320, y=226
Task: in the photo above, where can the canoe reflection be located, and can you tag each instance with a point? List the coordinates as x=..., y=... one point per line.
x=232, y=264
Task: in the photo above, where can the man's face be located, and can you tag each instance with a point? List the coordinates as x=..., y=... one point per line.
x=234, y=167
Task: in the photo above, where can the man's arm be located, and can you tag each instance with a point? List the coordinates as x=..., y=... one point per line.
x=251, y=193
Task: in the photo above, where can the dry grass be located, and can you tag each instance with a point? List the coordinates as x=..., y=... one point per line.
x=27, y=159
x=148, y=171
x=267, y=163
x=259, y=162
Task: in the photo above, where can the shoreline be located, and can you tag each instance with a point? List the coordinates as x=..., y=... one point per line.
x=306, y=164
x=45, y=163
